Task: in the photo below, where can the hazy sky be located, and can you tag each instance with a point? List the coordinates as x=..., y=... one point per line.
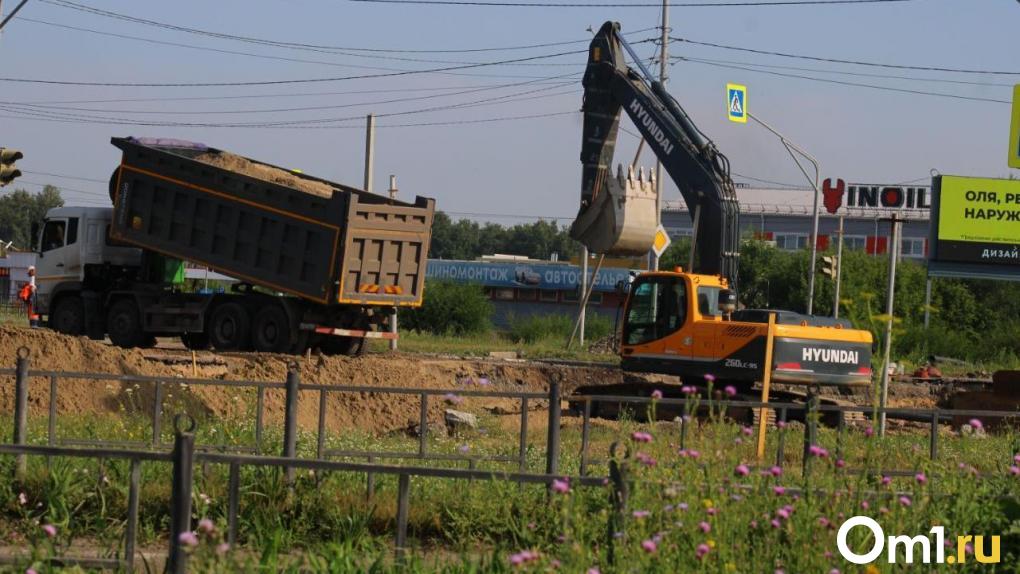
x=528, y=166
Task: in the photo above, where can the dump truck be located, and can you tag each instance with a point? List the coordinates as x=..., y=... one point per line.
x=316, y=263
x=685, y=321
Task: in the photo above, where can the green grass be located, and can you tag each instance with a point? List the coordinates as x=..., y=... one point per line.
x=480, y=345
x=327, y=524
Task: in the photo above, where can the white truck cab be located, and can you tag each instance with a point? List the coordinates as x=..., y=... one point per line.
x=72, y=238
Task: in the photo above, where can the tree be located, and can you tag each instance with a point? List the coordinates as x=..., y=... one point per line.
x=466, y=239
x=19, y=209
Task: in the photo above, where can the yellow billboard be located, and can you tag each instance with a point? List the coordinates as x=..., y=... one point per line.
x=979, y=210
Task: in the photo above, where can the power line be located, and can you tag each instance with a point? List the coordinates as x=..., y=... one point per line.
x=301, y=45
x=283, y=82
x=844, y=72
x=855, y=84
x=66, y=176
x=839, y=61
x=631, y=5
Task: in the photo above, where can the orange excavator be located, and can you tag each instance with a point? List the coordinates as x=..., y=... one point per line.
x=686, y=322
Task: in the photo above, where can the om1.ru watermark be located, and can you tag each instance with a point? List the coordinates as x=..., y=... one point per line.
x=909, y=544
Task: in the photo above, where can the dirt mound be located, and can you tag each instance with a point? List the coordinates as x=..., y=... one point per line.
x=370, y=411
x=234, y=162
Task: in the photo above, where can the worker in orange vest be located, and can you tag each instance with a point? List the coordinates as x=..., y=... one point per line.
x=27, y=295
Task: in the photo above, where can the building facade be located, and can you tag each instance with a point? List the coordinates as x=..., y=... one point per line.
x=784, y=216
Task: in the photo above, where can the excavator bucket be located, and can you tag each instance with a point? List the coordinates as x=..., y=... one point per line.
x=621, y=218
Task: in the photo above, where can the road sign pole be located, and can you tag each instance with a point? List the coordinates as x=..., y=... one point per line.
x=653, y=257
x=894, y=255
x=1014, y=130
x=839, y=268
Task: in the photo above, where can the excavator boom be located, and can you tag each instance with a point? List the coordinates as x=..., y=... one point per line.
x=618, y=213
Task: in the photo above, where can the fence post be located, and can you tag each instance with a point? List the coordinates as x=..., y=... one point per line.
x=618, y=496
x=290, y=419
x=810, y=429
x=403, y=495
x=552, y=443
x=131, y=529
x=21, y=409
x=180, y=494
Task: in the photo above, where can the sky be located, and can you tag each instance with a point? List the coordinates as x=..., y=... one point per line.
x=472, y=159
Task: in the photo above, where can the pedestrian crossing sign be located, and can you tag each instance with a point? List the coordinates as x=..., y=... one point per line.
x=736, y=103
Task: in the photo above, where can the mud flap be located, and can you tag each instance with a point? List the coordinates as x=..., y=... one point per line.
x=621, y=220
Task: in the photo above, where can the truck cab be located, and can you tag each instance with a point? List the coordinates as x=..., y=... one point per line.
x=70, y=242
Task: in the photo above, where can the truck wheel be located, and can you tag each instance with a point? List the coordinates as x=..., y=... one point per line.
x=271, y=330
x=195, y=341
x=124, y=324
x=230, y=327
x=68, y=315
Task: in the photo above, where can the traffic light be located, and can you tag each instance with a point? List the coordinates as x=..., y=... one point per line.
x=829, y=266
x=8, y=172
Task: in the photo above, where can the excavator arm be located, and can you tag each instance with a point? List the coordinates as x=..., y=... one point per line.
x=617, y=214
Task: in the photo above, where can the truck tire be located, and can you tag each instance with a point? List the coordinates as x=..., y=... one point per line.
x=230, y=327
x=68, y=315
x=271, y=331
x=124, y=324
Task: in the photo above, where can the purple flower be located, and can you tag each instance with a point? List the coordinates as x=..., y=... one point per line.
x=748, y=431
x=656, y=394
x=711, y=511
x=815, y=450
x=593, y=570
x=840, y=463
x=645, y=459
x=682, y=507
x=779, y=490
x=730, y=391
x=976, y=423
x=705, y=527
x=776, y=471
x=452, y=399
x=31, y=571
x=886, y=480
x=188, y=538
x=741, y=470
x=824, y=522
x=920, y=478
x=50, y=530
x=222, y=548
x=869, y=432
x=484, y=381
x=865, y=504
x=1014, y=470
x=638, y=436
x=688, y=390
x=775, y=523
x=464, y=448
x=1016, y=458
x=905, y=500
x=835, y=571
x=701, y=551
x=561, y=486
x=649, y=546
x=641, y=514
x=710, y=377
x=781, y=424
x=205, y=525
x=694, y=454
x=523, y=557
x=783, y=513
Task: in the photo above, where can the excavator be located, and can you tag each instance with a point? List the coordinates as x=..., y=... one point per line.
x=686, y=322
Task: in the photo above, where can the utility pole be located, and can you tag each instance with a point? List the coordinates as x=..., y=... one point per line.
x=584, y=289
x=653, y=259
x=393, y=317
x=369, y=151
x=839, y=268
x=4, y=21
x=894, y=255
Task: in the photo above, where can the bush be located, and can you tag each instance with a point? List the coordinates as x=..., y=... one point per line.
x=535, y=328
x=450, y=309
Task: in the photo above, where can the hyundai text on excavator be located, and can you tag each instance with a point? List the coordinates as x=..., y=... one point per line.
x=686, y=323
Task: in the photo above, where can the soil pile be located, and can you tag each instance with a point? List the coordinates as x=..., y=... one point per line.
x=234, y=162
x=369, y=411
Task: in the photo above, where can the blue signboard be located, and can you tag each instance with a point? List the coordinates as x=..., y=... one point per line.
x=558, y=276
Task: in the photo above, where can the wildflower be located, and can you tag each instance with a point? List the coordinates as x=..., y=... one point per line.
x=754, y=524
x=775, y=523
x=593, y=570
x=204, y=498
x=780, y=424
x=645, y=459
x=693, y=454
x=776, y=471
x=188, y=539
x=865, y=504
x=649, y=546
x=638, y=436
x=205, y=525
x=705, y=527
x=523, y=557
x=886, y=480
x=840, y=463
x=869, y=432
x=823, y=522
x=920, y=478
x=555, y=563
x=464, y=448
x=905, y=500
x=484, y=381
x=968, y=548
x=710, y=377
x=22, y=499
x=741, y=470
x=1014, y=470
x=835, y=571
x=730, y=391
x=688, y=390
x=561, y=486
x=701, y=551
x=1016, y=458
x=682, y=507
x=222, y=548
x=779, y=571
x=50, y=530
x=712, y=511
x=976, y=424
x=656, y=394
x=779, y=490
x=884, y=510
x=31, y=571
x=783, y=513
x=815, y=450
x=641, y=514
x=748, y=431
x=452, y=399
